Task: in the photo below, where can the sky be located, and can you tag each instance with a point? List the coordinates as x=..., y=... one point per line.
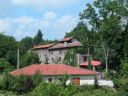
x=21, y=18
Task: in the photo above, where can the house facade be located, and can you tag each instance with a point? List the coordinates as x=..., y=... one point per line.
x=54, y=72
x=55, y=53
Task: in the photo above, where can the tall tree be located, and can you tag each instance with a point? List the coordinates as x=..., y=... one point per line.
x=8, y=46
x=84, y=35
x=106, y=17
x=38, y=39
x=28, y=59
x=3, y=65
x=25, y=44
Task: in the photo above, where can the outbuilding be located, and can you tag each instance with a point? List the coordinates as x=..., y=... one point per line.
x=52, y=72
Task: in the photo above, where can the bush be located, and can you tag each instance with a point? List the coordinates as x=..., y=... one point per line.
x=121, y=85
x=6, y=93
x=20, y=84
x=87, y=90
x=52, y=89
x=4, y=65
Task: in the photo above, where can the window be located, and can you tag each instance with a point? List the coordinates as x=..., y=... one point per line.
x=59, y=58
x=49, y=79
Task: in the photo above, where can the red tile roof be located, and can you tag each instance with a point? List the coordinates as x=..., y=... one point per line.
x=52, y=69
x=42, y=46
x=66, y=39
x=94, y=63
x=61, y=45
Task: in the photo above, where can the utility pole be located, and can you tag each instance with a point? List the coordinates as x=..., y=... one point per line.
x=18, y=58
x=106, y=52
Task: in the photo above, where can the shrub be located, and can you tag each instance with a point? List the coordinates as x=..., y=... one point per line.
x=6, y=93
x=20, y=84
x=4, y=65
x=87, y=90
x=53, y=89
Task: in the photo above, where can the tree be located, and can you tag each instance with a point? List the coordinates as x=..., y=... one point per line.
x=25, y=44
x=106, y=18
x=28, y=59
x=11, y=57
x=4, y=65
x=80, y=32
x=38, y=38
x=20, y=84
x=70, y=58
x=8, y=46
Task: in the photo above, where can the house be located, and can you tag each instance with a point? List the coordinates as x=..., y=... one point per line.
x=55, y=53
x=52, y=72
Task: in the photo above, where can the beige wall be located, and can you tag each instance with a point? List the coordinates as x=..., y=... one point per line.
x=57, y=55
x=54, y=56
x=42, y=53
x=86, y=79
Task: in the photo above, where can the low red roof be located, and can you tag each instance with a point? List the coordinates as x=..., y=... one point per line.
x=52, y=69
x=42, y=46
x=61, y=45
x=66, y=39
x=94, y=63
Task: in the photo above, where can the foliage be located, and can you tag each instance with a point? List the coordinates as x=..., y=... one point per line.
x=96, y=84
x=25, y=44
x=121, y=80
x=29, y=58
x=63, y=80
x=6, y=93
x=21, y=84
x=37, y=78
x=38, y=39
x=50, y=41
x=84, y=35
x=4, y=65
x=124, y=71
x=106, y=18
x=70, y=58
x=8, y=46
x=95, y=92
x=121, y=86
x=52, y=89
x=88, y=90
